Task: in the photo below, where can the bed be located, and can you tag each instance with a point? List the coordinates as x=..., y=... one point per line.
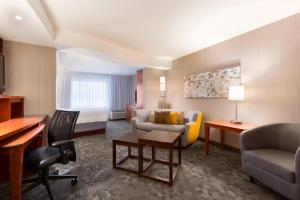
x=91, y=121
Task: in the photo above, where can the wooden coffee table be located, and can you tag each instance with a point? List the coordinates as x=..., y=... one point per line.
x=129, y=140
x=162, y=139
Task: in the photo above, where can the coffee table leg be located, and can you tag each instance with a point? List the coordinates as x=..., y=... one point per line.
x=114, y=155
x=129, y=151
x=140, y=158
x=179, y=151
x=153, y=153
x=171, y=166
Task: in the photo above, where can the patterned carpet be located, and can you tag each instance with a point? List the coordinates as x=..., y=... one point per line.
x=218, y=176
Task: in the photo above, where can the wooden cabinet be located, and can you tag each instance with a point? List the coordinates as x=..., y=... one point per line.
x=11, y=107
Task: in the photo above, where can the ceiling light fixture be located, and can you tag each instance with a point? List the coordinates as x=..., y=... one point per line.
x=17, y=17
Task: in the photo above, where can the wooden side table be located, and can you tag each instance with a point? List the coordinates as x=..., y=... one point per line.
x=224, y=125
x=162, y=139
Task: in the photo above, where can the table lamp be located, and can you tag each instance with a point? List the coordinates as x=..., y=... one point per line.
x=236, y=93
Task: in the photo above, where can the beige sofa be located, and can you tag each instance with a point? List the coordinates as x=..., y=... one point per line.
x=190, y=130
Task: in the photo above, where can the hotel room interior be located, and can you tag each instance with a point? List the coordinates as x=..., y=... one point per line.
x=149, y=99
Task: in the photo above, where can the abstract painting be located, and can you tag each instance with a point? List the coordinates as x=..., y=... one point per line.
x=212, y=84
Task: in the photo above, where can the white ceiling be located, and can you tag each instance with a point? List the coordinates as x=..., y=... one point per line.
x=138, y=32
x=74, y=60
x=30, y=30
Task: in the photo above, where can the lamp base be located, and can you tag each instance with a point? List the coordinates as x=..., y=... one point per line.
x=236, y=122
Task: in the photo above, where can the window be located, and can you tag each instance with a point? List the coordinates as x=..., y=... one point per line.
x=88, y=94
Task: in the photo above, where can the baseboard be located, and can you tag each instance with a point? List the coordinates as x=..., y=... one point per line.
x=119, y=119
x=92, y=132
x=227, y=147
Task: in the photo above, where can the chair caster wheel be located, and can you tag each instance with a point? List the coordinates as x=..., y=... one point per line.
x=74, y=182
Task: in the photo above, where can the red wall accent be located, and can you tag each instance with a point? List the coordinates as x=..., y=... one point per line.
x=1, y=45
x=139, y=86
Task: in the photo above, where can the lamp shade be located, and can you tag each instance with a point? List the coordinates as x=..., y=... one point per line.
x=236, y=93
x=162, y=79
x=162, y=87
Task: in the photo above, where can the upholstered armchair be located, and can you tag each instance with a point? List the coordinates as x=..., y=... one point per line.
x=271, y=155
x=190, y=129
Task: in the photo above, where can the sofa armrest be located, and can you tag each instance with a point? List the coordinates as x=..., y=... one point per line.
x=192, y=129
x=134, y=120
x=297, y=165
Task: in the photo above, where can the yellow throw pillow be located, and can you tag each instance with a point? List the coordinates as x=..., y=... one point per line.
x=174, y=117
x=162, y=117
x=151, y=117
x=180, y=118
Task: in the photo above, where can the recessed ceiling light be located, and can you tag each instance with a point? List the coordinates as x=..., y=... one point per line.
x=17, y=17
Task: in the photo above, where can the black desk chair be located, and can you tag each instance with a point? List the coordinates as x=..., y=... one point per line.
x=61, y=149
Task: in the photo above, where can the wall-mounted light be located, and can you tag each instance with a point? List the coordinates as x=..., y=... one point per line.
x=162, y=86
x=19, y=18
x=162, y=82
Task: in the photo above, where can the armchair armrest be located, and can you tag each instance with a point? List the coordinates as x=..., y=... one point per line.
x=297, y=165
x=61, y=145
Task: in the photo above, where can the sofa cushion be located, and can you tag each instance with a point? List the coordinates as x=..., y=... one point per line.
x=142, y=115
x=277, y=162
x=151, y=117
x=148, y=126
x=180, y=118
x=174, y=118
x=162, y=117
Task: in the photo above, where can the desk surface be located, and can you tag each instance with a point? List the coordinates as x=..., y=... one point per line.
x=13, y=126
x=228, y=124
x=11, y=97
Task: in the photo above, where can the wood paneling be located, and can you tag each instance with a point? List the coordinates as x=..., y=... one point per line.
x=31, y=72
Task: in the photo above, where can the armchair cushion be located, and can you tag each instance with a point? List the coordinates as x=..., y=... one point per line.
x=277, y=162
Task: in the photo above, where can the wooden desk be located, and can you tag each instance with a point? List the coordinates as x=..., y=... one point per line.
x=223, y=126
x=15, y=135
x=11, y=107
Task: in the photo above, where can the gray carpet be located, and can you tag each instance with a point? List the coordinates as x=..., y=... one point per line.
x=218, y=176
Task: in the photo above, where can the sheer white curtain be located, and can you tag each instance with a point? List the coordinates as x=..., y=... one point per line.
x=89, y=90
x=121, y=92
x=81, y=91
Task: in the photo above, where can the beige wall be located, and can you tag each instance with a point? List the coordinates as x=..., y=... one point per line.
x=30, y=72
x=151, y=93
x=270, y=64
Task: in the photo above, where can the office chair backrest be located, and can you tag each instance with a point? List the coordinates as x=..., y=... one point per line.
x=62, y=127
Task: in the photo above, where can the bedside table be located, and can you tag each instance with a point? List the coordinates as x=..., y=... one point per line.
x=224, y=125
